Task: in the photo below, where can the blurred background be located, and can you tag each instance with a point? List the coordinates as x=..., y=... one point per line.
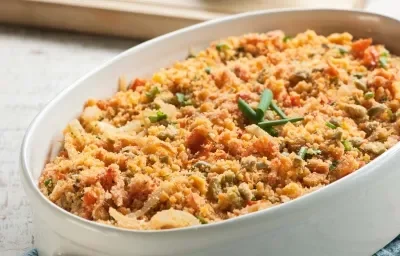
x=140, y=18
x=45, y=45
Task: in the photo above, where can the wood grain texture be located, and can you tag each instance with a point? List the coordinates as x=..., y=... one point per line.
x=138, y=18
x=35, y=66
x=116, y=20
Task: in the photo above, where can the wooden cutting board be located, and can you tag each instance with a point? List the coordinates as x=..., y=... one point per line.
x=138, y=18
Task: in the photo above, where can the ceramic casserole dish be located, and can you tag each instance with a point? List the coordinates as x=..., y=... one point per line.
x=356, y=215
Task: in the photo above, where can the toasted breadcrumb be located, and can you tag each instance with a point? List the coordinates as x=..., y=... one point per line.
x=174, y=150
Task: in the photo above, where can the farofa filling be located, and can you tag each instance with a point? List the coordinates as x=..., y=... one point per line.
x=196, y=144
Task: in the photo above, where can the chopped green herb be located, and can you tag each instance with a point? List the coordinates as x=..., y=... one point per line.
x=337, y=135
x=359, y=76
x=202, y=220
x=153, y=92
x=334, y=80
x=207, y=70
x=261, y=76
x=376, y=110
x=272, y=131
x=188, y=102
x=278, y=110
x=253, y=198
x=333, y=165
x=391, y=116
x=383, y=99
x=222, y=47
x=202, y=165
x=347, y=145
x=287, y=38
x=48, y=182
x=335, y=122
x=247, y=111
x=383, y=62
x=182, y=99
x=302, y=152
x=330, y=125
x=369, y=95
x=164, y=159
x=385, y=53
x=265, y=101
x=360, y=85
x=158, y=117
x=267, y=124
x=311, y=151
x=342, y=50
x=261, y=165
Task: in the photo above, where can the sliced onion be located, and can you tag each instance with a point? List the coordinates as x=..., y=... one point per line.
x=91, y=113
x=106, y=127
x=256, y=131
x=125, y=221
x=173, y=219
x=154, y=198
x=346, y=91
x=127, y=132
x=133, y=126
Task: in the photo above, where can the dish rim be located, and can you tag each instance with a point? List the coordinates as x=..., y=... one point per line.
x=304, y=200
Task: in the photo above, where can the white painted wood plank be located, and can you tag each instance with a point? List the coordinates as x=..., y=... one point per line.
x=34, y=66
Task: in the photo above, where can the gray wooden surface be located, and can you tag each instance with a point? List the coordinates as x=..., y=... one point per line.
x=34, y=66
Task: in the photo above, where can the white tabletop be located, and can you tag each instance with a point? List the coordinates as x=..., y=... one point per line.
x=34, y=66
x=387, y=7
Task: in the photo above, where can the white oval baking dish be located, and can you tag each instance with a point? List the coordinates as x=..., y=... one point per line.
x=355, y=216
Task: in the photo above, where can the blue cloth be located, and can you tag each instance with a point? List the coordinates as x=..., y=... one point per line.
x=392, y=249
x=32, y=252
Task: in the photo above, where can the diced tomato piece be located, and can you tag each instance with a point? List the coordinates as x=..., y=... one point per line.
x=251, y=202
x=102, y=104
x=136, y=83
x=359, y=46
x=371, y=57
x=331, y=70
x=60, y=176
x=244, y=96
x=265, y=147
x=295, y=100
x=89, y=198
x=242, y=73
x=107, y=179
x=197, y=139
